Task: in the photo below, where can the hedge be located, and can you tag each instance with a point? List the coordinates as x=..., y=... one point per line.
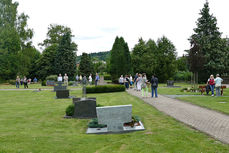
x=107, y=77
x=51, y=77
x=105, y=88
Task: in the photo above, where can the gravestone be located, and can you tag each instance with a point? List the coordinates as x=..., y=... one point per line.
x=114, y=116
x=170, y=83
x=84, y=108
x=59, y=86
x=50, y=83
x=62, y=94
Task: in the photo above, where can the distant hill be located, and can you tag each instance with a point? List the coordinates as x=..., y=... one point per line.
x=101, y=56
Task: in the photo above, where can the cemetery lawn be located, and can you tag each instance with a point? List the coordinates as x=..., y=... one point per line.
x=33, y=122
x=220, y=104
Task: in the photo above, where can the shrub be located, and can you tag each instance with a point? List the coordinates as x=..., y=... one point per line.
x=51, y=77
x=105, y=88
x=107, y=77
x=12, y=82
x=43, y=83
x=182, y=76
x=70, y=83
x=94, y=124
x=70, y=110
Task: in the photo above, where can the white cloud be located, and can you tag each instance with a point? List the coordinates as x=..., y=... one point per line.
x=96, y=23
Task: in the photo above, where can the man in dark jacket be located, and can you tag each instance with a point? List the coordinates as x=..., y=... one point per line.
x=154, y=85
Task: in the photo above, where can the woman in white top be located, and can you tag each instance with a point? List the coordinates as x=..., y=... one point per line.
x=59, y=79
x=139, y=82
x=121, y=80
x=90, y=79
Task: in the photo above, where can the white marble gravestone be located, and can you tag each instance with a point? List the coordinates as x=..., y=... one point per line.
x=114, y=116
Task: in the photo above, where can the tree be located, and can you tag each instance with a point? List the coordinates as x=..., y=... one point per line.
x=208, y=38
x=86, y=67
x=65, y=61
x=155, y=58
x=120, y=61
x=15, y=41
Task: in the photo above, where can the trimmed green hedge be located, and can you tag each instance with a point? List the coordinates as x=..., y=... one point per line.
x=107, y=77
x=70, y=110
x=51, y=77
x=105, y=88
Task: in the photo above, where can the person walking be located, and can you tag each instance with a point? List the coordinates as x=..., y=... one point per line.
x=154, y=85
x=65, y=79
x=17, y=82
x=144, y=86
x=218, y=82
x=96, y=79
x=131, y=81
x=212, y=84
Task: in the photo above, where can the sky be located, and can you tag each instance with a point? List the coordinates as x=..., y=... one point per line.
x=96, y=23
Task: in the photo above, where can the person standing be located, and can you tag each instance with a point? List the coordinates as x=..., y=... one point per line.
x=59, y=79
x=80, y=78
x=65, y=79
x=17, y=82
x=135, y=81
x=144, y=86
x=212, y=84
x=121, y=80
x=139, y=82
x=90, y=79
x=96, y=79
x=218, y=82
x=126, y=81
x=154, y=85
x=131, y=81
x=25, y=82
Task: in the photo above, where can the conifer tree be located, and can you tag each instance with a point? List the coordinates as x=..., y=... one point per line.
x=208, y=38
x=66, y=57
x=86, y=67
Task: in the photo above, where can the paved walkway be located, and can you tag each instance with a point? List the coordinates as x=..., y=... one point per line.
x=205, y=120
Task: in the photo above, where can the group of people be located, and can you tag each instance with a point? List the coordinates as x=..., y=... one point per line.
x=140, y=83
x=79, y=79
x=214, y=83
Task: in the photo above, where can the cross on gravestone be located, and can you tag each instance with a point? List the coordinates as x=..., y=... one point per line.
x=84, y=83
x=114, y=116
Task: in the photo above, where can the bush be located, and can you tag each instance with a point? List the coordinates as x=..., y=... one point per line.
x=43, y=83
x=105, y=88
x=182, y=76
x=70, y=110
x=12, y=82
x=107, y=77
x=51, y=77
x=70, y=83
x=94, y=124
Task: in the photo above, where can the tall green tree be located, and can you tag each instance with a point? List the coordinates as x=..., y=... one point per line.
x=86, y=66
x=15, y=41
x=208, y=38
x=120, y=60
x=65, y=61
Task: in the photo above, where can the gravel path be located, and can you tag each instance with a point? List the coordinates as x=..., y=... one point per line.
x=208, y=121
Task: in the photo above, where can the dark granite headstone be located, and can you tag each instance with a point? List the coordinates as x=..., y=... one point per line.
x=170, y=83
x=84, y=108
x=62, y=93
x=59, y=86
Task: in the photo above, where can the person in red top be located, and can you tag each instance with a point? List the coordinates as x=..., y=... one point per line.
x=211, y=82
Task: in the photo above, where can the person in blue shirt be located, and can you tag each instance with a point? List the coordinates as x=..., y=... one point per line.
x=96, y=79
x=218, y=82
x=35, y=80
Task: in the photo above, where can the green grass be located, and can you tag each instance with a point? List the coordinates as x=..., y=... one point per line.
x=33, y=122
x=209, y=102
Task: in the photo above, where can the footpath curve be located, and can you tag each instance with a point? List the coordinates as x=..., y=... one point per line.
x=208, y=121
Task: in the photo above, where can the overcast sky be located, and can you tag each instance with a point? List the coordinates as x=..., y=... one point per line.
x=96, y=23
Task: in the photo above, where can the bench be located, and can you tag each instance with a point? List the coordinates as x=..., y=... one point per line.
x=203, y=89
